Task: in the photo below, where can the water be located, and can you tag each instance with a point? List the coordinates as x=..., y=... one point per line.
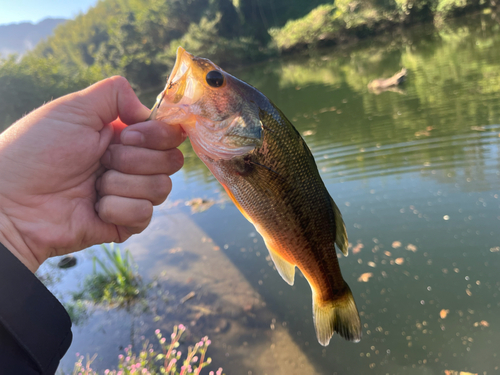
x=416, y=174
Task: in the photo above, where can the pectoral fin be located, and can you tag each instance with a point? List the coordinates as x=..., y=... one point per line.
x=341, y=233
x=285, y=269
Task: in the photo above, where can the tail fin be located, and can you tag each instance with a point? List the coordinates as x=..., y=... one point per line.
x=339, y=316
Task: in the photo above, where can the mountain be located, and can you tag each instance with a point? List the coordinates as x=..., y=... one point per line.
x=21, y=37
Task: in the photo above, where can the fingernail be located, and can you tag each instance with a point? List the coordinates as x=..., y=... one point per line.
x=132, y=138
x=106, y=158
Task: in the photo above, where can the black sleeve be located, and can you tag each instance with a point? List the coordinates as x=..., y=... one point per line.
x=35, y=329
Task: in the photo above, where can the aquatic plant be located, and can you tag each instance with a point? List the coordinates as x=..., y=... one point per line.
x=117, y=282
x=150, y=362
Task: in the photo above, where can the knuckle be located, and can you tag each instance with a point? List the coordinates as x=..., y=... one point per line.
x=107, y=181
x=162, y=188
x=176, y=159
x=145, y=212
x=105, y=210
x=119, y=82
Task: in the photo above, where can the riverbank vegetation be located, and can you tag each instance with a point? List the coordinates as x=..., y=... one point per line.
x=169, y=360
x=138, y=39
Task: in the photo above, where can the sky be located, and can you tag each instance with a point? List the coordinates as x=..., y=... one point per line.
x=14, y=11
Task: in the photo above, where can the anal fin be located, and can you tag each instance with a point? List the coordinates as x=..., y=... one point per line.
x=285, y=268
x=341, y=233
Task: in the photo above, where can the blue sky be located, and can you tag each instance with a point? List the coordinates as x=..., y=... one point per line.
x=14, y=11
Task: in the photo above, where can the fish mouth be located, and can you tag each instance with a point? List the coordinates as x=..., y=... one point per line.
x=181, y=89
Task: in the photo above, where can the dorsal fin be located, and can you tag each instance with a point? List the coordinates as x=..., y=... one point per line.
x=341, y=233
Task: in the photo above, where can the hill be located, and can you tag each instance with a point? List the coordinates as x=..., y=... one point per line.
x=22, y=37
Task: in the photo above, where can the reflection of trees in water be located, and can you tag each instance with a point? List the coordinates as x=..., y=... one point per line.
x=452, y=87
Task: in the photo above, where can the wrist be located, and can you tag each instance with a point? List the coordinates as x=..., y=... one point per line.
x=13, y=241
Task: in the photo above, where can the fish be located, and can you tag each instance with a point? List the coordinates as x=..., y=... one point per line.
x=270, y=174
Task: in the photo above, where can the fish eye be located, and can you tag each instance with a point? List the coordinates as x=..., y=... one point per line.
x=215, y=78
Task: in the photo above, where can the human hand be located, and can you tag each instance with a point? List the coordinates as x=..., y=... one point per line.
x=73, y=174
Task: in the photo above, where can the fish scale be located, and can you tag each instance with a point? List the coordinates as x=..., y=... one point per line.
x=270, y=174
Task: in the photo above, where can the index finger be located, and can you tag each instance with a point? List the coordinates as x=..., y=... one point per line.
x=155, y=135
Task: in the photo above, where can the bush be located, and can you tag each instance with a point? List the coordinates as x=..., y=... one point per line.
x=33, y=81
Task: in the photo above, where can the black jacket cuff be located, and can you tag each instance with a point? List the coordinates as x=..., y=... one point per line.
x=35, y=329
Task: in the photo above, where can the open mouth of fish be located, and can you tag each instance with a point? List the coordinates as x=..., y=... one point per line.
x=179, y=93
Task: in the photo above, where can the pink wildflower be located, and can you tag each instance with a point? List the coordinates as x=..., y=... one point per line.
x=208, y=342
x=162, y=340
x=195, y=358
x=182, y=327
x=157, y=332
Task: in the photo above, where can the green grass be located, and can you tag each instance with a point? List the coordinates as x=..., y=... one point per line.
x=114, y=280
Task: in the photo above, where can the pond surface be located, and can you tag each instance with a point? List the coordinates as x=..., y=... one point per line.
x=416, y=174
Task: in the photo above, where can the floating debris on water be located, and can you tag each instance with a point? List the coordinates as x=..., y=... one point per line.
x=411, y=247
x=187, y=297
x=365, y=277
x=309, y=132
x=482, y=323
x=357, y=248
x=444, y=313
x=200, y=204
x=372, y=264
x=396, y=244
x=399, y=261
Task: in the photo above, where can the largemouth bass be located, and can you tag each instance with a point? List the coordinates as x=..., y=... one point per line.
x=271, y=176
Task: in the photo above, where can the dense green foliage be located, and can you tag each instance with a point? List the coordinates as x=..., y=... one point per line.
x=26, y=84
x=346, y=20
x=138, y=39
